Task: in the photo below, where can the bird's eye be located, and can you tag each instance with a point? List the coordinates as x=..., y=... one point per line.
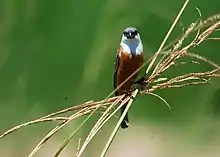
x=125, y=33
x=135, y=32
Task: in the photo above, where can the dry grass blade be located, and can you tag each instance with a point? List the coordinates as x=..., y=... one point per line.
x=162, y=79
x=194, y=75
x=170, y=58
x=67, y=140
x=207, y=33
x=188, y=84
x=185, y=35
x=78, y=147
x=202, y=59
x=102, y=120
x=197, y=56
x=57, y=128
x=94, y=110
x=105, y=114
x=46, y=118
x=159, y=64
x=73, y=108
x=213, y=38
x=209, y=21
x=202, y=24
x=113, y=113
x=32, y=122
x=167, y=36
x=202, y=77
x=82, y=106
x=104, y=151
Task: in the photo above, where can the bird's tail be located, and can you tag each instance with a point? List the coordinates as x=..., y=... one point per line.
x=124, y=123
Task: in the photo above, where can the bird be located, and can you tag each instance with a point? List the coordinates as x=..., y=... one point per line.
x=129, y=59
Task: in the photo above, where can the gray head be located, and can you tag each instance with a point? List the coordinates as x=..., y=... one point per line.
x=130, y=33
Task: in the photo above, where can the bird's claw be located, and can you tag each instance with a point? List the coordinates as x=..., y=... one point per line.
x=142, y=83
x=129, y=93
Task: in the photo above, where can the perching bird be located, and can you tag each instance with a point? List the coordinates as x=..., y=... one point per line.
x=129, y=58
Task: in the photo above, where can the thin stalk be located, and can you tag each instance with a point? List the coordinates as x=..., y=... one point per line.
x=104, y=151
x=167, y=36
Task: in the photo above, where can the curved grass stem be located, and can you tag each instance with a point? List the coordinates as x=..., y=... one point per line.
x=104, y=151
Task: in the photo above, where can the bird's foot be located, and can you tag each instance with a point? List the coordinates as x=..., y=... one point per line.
x=129, y=93
x=141, y=83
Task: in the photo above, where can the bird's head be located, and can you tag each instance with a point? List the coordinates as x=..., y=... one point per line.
x=130, y=34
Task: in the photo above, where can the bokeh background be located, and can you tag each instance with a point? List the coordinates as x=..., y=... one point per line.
x=50, y=50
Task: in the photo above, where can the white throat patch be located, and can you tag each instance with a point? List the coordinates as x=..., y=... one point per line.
x=132, y=46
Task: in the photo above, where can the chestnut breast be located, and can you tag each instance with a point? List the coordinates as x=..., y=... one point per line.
x=127, y=66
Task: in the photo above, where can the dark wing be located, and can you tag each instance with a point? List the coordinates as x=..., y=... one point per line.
x=117, y=62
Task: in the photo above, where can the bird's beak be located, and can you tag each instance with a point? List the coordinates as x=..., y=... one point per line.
x=130, y=35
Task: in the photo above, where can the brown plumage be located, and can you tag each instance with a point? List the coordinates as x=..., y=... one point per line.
x=125, y=65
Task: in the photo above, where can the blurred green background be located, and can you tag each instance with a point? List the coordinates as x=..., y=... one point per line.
x=50, y=50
